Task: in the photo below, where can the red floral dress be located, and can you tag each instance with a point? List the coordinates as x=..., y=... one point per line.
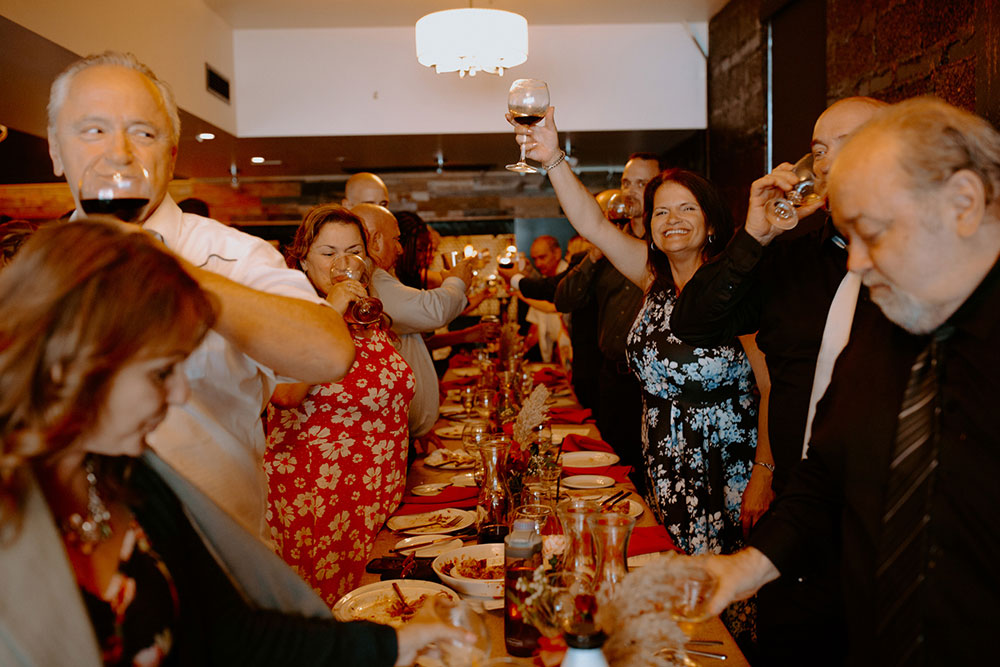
x=336, y=467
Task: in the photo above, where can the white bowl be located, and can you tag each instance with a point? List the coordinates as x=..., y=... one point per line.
x=484, y=588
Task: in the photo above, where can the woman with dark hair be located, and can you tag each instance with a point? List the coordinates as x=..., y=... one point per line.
x=413, y=266
x=107, y=555
x=699, y=429
x=336, y=452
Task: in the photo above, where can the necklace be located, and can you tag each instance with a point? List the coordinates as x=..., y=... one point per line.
x=86, y=532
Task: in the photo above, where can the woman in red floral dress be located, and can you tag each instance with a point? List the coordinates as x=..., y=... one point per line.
x=336, y=453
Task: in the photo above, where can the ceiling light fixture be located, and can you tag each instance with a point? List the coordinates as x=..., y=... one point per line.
x=472, y=40
x=204, y=136
x=257, y=160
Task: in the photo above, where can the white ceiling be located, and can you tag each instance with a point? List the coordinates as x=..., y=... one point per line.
x=243, y=14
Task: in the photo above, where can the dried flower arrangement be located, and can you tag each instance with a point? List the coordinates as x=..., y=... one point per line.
x=533, y=413
x=637, y=617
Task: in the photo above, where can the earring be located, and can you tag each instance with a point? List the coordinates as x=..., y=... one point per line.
x=711, y=239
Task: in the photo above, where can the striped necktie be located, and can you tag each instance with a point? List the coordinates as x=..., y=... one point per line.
x=903, y=545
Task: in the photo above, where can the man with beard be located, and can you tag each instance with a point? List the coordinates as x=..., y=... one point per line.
x=904, y=456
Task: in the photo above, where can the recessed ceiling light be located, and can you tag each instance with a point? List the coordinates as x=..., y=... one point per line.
x=257, y=160
x=204, y=136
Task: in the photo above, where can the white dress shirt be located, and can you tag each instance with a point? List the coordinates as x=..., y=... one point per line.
x=413, y=312
x=216, y=438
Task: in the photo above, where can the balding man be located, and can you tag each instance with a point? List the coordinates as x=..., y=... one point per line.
x=112, y=111
x=413, y=311
x=905, y=453
x=783, y=290
x=365, y=188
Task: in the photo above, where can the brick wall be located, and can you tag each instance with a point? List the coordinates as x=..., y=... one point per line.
x=736, y=102
x=897, y=49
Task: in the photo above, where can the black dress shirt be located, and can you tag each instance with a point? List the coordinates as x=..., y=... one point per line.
x=840, y=487
x=618, y=301
x=783, y=292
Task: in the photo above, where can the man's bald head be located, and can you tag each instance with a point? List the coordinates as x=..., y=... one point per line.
x=382, y=230
x=365, y=188
x=835, y=125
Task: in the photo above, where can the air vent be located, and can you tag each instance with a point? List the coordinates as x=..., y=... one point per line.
x=217, y=84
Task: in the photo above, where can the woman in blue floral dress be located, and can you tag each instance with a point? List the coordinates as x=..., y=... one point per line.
x=700, y=414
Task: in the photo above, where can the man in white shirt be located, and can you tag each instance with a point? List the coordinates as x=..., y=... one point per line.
x=413, y=311
x=112, y=111
x=549, y=329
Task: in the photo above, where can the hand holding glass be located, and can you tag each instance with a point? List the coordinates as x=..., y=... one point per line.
x=782, y=212
x=527, y=101
x=364, y=311
x=122, y=191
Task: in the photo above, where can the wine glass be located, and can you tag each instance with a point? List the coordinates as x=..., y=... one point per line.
x=527, y=101
x=474, y=434
x=122, y=191
x=364, y=311
x=782, y=212
x=620, y=209
x=484, y=404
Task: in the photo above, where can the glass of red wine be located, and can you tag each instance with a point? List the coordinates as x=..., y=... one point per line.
x=527, y=101
x=620, y=209
x=122, y=191
x=350, y=266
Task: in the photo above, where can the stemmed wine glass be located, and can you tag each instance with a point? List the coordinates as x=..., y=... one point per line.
x=122, y=191
x=464, y=615
x=782, y=212
x=527, y=101
x=364, y=311
x=474, y=434
x=620, y=210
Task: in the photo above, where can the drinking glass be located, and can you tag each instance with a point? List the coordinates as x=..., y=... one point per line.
x=461, y=614
x=527, y=101
x=355, y=267
x=540, y=514
x=468, y=393
x=484, y=404
x=620, y=209
x=782, y=212
x=474, y=434
x=694, y=586
x=122, y=191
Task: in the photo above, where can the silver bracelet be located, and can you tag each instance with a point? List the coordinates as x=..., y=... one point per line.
x=555, y=163
x=769, y=466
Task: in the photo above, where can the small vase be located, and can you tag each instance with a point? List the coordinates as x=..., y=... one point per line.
x=494, y=498
x=579, y=554
x=610, y=533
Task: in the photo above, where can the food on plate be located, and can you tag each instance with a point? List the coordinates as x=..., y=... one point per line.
x=472, y=568
x=390, y=610
x=440, y=457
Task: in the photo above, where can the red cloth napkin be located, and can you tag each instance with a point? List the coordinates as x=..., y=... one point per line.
x=461, y=359
x=581, y=443
x=650, y=539
x=549, y=376
x=617, y=473
x=459, y=382
x=464, y=497
x=560, y=415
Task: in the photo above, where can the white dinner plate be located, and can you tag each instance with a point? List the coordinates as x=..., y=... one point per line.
x=468, y=371
x=401, y=524
x=450, y=432
x=560, y=431
x=588, y=459
x=464, y=479
x=450, y=459
x=634, y=509
x=448, y=410
x=588, y=482
x=429, y=489
x=428, y=551
x=372, y=602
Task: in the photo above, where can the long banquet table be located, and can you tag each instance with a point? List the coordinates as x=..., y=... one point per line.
x=421, y=474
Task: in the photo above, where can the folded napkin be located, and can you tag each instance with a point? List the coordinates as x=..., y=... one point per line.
x=550, y=376
x=581, y=443
x=617, y=473
x=463, y=497
x=459, y=382
x=461, y=360
x=650, y=539
x=560, y=415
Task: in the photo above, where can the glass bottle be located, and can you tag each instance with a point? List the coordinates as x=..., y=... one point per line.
x=610, y=531
x=578, y=555
x=494, y=499
x=522, y=555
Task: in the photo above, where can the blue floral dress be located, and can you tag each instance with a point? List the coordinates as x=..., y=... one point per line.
x=699, y=429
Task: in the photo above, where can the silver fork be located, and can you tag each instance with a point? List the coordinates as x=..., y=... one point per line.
x=453, y=521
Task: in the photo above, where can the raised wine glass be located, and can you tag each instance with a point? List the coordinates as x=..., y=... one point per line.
x=527, y=101
x=467, y=616
x=122, y=191
x=782, y=212
x=364, y=311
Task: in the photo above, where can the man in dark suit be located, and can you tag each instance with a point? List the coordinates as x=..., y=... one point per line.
x=905, y=453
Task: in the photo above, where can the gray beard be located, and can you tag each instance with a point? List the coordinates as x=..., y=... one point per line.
x=907, y=312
